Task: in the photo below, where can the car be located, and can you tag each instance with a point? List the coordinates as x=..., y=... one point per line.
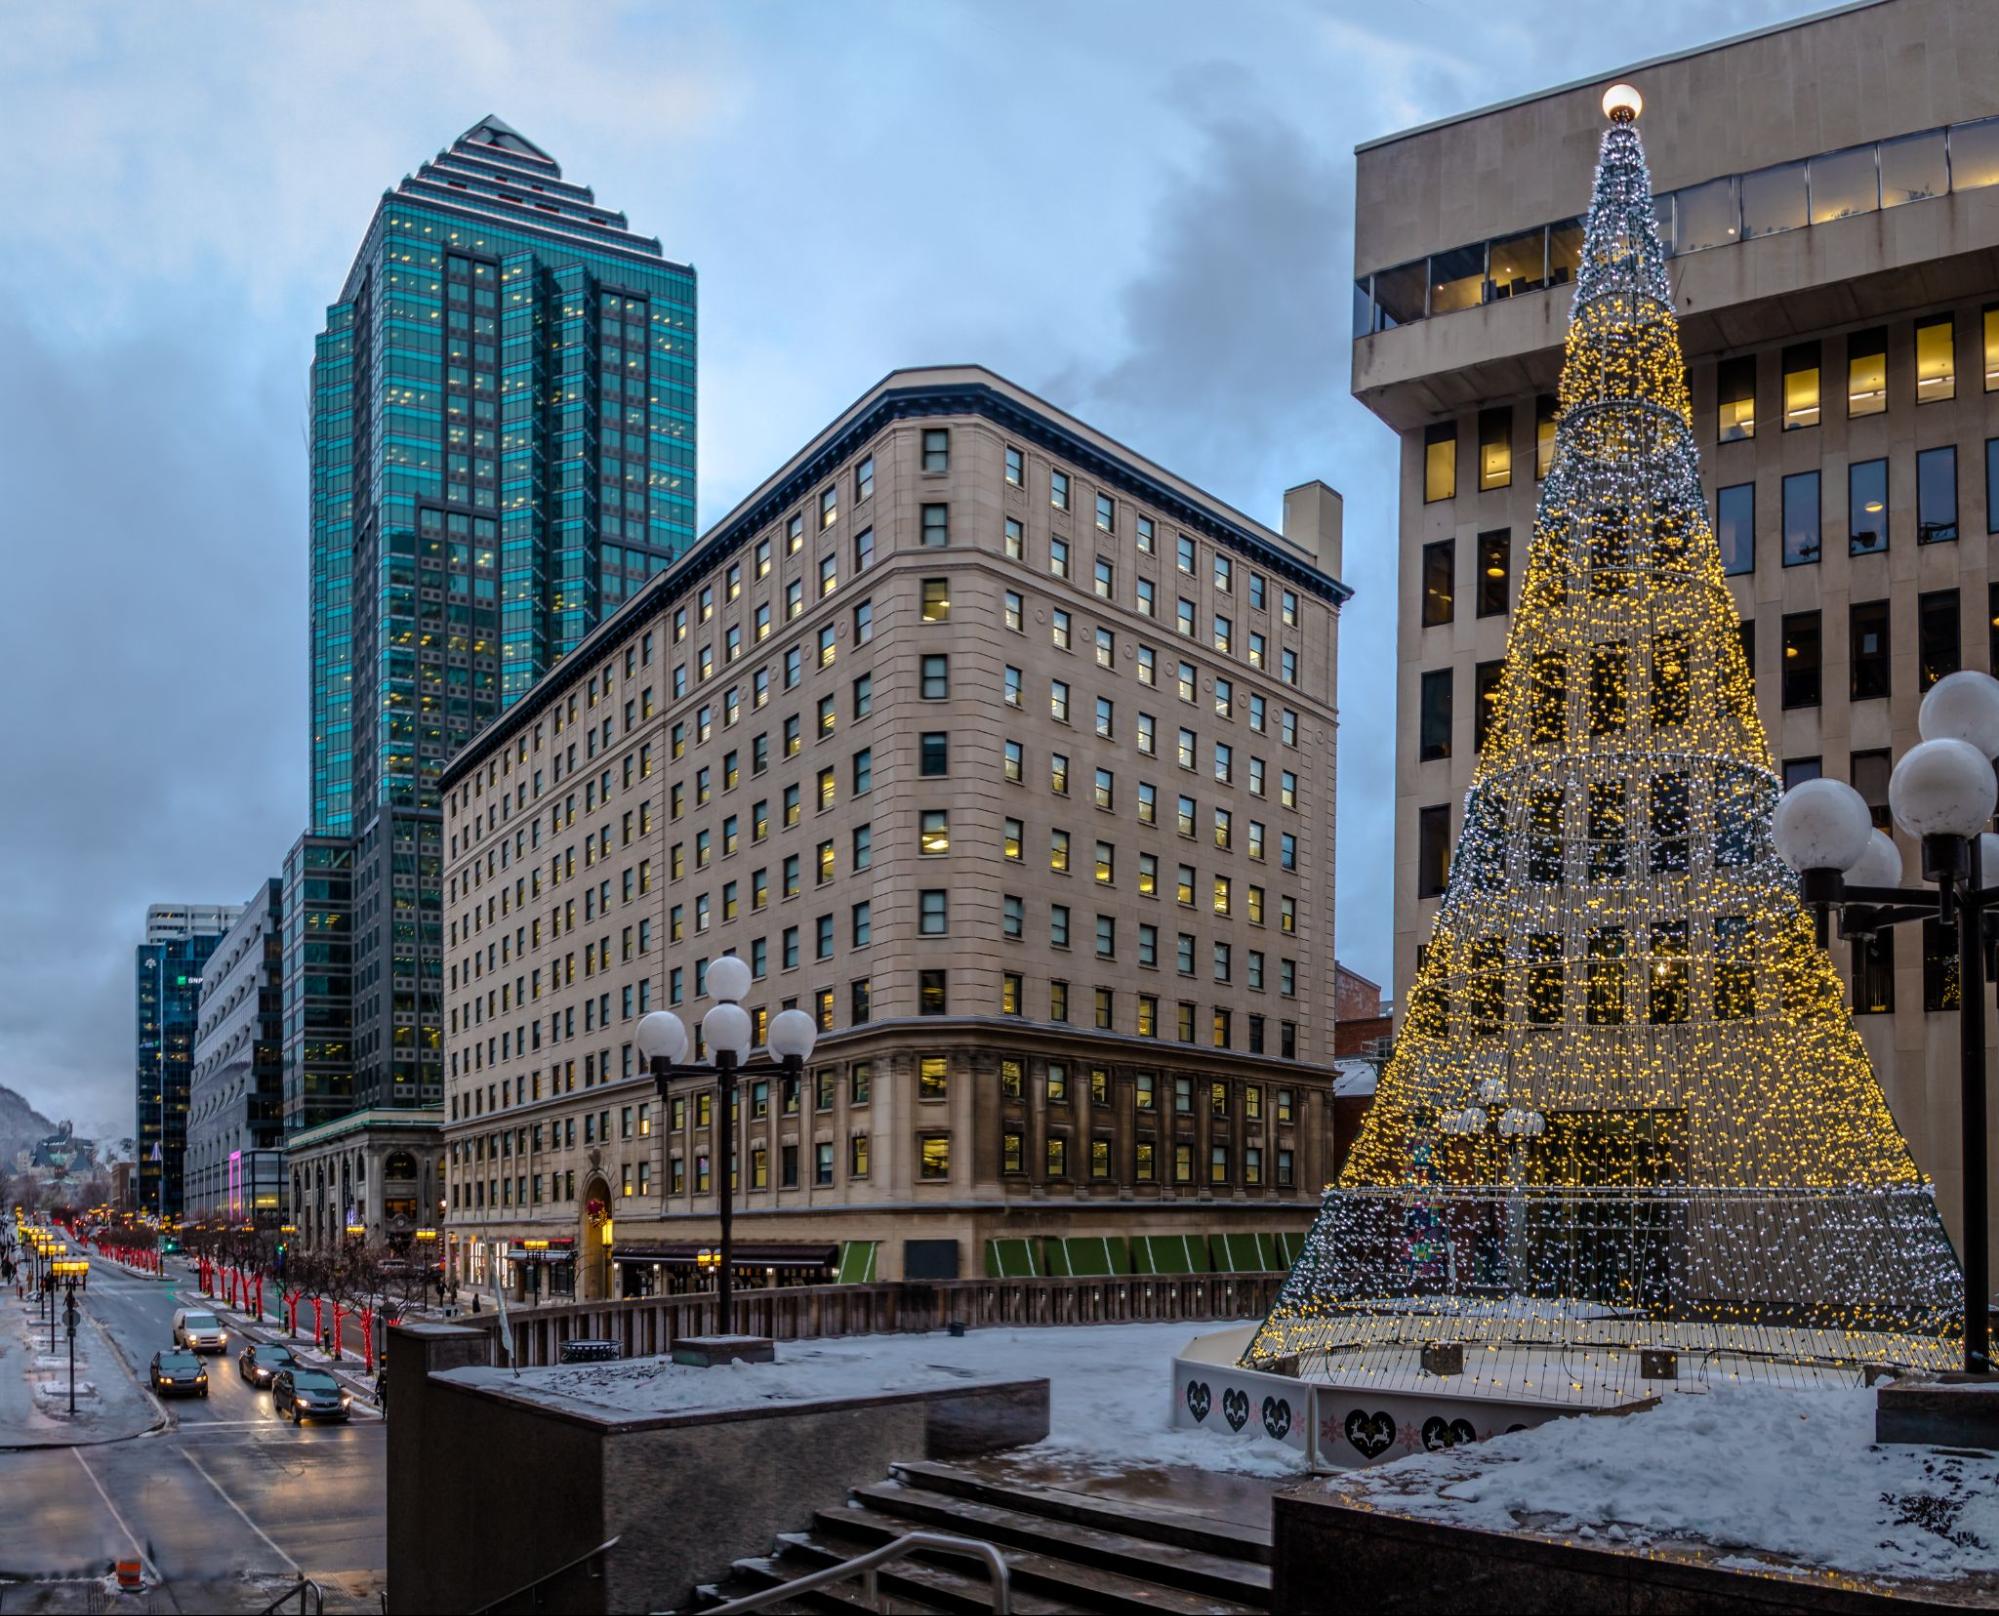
x=309, y=1394
x=260, y=1362
x=199, y=1330
x=179, y=1374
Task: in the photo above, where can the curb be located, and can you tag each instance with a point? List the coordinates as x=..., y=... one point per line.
x=161, y=1419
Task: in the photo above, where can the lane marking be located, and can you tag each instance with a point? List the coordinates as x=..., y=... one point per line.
x=144, y=1558
x=263, y=1536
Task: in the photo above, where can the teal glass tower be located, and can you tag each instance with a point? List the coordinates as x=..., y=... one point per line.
x=502, y=449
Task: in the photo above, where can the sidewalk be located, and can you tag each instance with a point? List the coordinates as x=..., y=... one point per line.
x=34, y=1384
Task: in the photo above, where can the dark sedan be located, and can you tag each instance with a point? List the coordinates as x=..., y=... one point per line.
x=308, y=1394
x=260, y=1362
x=179, y=1374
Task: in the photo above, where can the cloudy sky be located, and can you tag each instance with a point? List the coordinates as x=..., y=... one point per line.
x=1138, y=208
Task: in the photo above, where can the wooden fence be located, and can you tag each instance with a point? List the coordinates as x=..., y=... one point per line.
x=645, y=1326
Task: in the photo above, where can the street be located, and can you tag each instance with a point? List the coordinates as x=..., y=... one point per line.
x=226, y=1505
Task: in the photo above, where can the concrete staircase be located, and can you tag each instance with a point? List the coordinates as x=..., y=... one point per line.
x=1067, y=1551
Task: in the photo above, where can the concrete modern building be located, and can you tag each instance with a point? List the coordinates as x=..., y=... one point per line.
x=1830, y=191
x=503, y=409
x=1003, y=751
x=167, y=992
x=234, y=1169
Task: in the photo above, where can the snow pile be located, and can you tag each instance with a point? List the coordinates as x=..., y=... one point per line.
x=1755, y=1469
x=1110, y=1387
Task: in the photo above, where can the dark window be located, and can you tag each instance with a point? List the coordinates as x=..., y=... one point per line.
x=1544, y=977
x=1992, y=485
x=1485, y=689
x=1874, y=974
x=1868, y=649
x=1439, y=563
x=1549, y=720
x=1495, y=448
x=1671, y=815
x=1734, y=972
x=1544, y=834
x=1735, y=399
x=1672, y=684
x=1495, y=567
x=1936, y=495
x=1869, y=774
x=1867, y=507
x=1605, y=976
x=936, y=752
x=1670, y=978
x=1607, y=844
x=1748, y=635
x=1609, y=673
x=1938, y=648
x=1433, y=850
x=1801, y=519
x=1801, y=659
x=1735, y=527
x=1796, y=771
x=1435, y=741
x=1939, y=966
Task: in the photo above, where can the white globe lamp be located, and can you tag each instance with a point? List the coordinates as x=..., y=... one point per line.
x=1962, y=706
x=726, y=1031
x=792, y=1035
x=662, y=1036
x=1880, y=865
x=1943, y=787
x=728, y=979
x=1622, y=103
x=1822, y=825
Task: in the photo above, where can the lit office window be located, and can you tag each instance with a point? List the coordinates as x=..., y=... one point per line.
x=1495, y=448
x=1801, y=385
x=1440, y=462
x=1936, y=360
x=1866, y=372
x=1735, y=399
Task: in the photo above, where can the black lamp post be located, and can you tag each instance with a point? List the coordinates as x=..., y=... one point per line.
x=727, y=1031
x=1942, y=792
x=70, y=1270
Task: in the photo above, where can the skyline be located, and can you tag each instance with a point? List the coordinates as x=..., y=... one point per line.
x=1188, y=294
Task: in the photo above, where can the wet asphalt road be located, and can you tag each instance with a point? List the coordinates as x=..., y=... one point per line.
x=225, y=1506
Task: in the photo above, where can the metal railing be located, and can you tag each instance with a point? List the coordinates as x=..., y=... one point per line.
x=304, y=1596
x=545, y=1579
x=868, y=1568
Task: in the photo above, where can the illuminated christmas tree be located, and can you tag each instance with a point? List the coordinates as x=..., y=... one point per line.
x=1627, y=1107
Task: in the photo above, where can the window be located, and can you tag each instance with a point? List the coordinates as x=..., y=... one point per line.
x=1801, y=375
x=1495, y=448
x=1148, y=604
x=1735, y=527
x=1106, y=514
x=1058, y=558
x=1183, y=554
x=1433, y=850
x=1544, y=435
x=1060, y=631
x=829, y=574
x=1105, y=717
x=934, y=753
x=936, y=684
x=1868, y=656
x=1440, y=462
x=1015, y=766
x=1016, y=468
x=1991, y=331
x=1058, y=700
x=1439, y=564
x=1106, y=579
x=1058, y=851
x=1801, y=519
x=1485, y=700
x=1874, y=973
x=937, y=600
x=932, y=993
x=1015, y=542
x=1058, y=489
x=1936, y=360
x=934, y=914
x=1940, y=962
x=1866, y=372
x=1869, y=772
x=934, y=1156
x=1735, y=399
x=1938, y=647
x=1435, y=723
x=1936, y=495
x=1014, y=836
x=1867, y=507
x=1801, y=659
x=936, y=449
x=1495, y=565
x=1015, y=612
x=934, y=832
x=936, y=530
x=1106, y=649
x=864, y=479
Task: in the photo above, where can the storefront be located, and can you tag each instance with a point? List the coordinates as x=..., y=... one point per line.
x=679, y=1267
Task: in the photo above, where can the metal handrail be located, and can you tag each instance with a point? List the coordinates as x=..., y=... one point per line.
x=545, y=1578
x=310, y=1596
x=866, y=1566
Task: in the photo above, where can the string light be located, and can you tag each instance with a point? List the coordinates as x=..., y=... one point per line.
x=1627, y=1108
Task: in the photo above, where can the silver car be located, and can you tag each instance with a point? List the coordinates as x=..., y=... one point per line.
x=199, y=1330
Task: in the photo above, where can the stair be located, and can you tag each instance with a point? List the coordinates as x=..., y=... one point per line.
x=1066, y=1552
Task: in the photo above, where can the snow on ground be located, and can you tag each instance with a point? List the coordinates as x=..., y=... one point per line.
x=1110, y=1387
x=1756, y=1469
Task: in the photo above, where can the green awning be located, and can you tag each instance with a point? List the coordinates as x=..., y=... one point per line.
x=1238, y=1254
x=1087, y=1255
x=857, y=1262
x=1289, y=1247
x=1169, y=1254
x=1014, y=1259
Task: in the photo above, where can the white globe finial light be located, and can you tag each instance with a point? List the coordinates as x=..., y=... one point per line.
x=1622, y=103
x=728, y=979
x=662, y=1036
x=792, y=1035
x=1880, y=865
x=1821, y=825
x=1962, y=706
x=1942, y=788
x=727, y=1030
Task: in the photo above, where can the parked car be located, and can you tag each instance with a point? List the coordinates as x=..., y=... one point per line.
x=199, y=1330
x=259, y=1362
x=179, y=1374
x=308, y=1394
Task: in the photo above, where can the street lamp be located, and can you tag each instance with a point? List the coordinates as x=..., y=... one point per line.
x=726, y=1029
x=1942, y=792
x=70, y=1270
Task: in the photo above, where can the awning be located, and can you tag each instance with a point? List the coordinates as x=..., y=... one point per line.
x=1241, y=1254
x=1169, y=1254
x=682, y=1254
x=857, y=1262
x=1087, y=1256
x=1014, y=1259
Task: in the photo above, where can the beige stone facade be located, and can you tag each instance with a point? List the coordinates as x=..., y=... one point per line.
x=999, y=749
x=1834, y=204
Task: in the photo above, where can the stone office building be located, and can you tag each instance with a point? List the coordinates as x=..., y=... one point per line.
x=1005, y=753
x=235, y=1167
x=1829, y=191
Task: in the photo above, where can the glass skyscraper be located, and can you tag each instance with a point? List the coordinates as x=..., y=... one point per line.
x=167, y=992
x=502, y=449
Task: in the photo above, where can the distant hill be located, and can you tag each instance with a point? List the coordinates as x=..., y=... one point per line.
x=21, y=1125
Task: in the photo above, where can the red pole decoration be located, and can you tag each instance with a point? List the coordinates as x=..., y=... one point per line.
x=368, y=1338
x=318, y=1331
